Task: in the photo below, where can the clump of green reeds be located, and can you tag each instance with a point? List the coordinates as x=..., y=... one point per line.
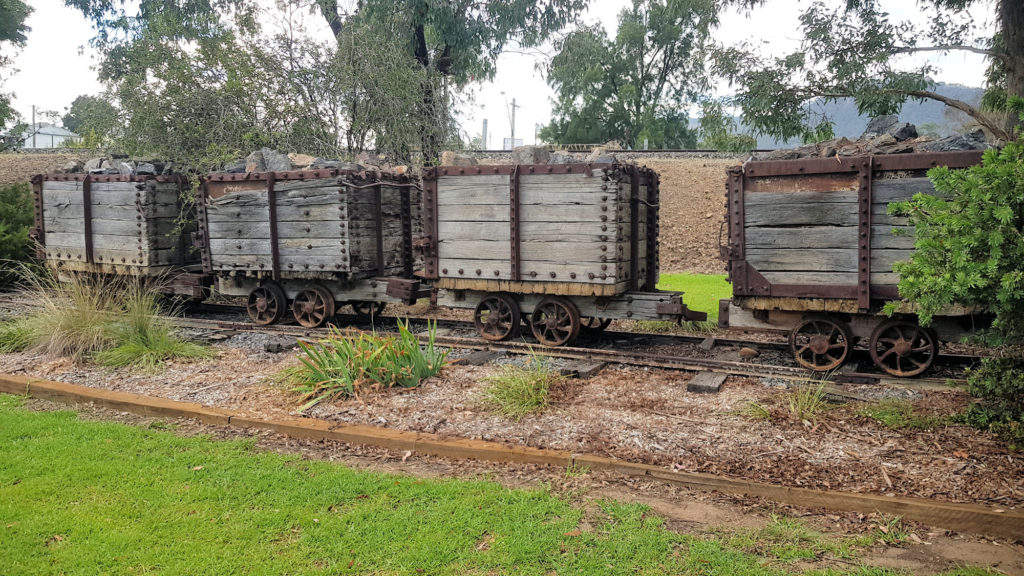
x=341, y=365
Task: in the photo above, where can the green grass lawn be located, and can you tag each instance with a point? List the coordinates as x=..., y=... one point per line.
x=702, y=291
x=82, y=497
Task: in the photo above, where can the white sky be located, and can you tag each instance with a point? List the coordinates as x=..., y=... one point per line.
x=57, y=63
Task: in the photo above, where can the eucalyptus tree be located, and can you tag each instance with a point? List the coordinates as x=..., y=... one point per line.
x=637, y=85
x=13, y=34
x=856, y=49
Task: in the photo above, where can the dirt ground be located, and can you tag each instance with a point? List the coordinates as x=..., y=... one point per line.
x=692, y=213
x=15, y=167
x=692, y=204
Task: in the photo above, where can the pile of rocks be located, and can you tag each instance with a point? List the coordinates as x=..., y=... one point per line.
x=114, y=166
x=883, y=135
x=529, y=155
x=268, y=160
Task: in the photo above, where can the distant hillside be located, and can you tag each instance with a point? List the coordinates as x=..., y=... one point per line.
x=930, y=117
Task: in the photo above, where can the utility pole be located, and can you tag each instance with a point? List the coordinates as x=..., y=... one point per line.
x=513, y=121
x=34, y=126
x=483, y=136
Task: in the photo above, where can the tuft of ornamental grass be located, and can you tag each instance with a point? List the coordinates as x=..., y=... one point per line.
x=15, y=335
x=807, y=400
x=115, y=321
x=74, y=315
x=340, y=365
x=518, y=391
x=899, y=414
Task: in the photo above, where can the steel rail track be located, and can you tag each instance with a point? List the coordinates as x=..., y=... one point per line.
x=629, y=358
x=625, y=357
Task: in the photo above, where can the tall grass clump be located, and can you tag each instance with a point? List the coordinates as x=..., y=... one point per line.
x=145, y=339
x=518, y=391
x=807, y=400
x=74, y=315
x=340, y=365
x=115, y=321
x=15, y=335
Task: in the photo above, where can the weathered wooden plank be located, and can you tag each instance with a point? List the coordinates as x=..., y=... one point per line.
x=802, y=183
x=100, y=199
x=563, y=271
x=540, y=231
x=531, y=250
x=285, y=246
x=813, y=214
x=884, y=278
x=894, y=190
x=812, y=278
x=531, y=213
x=882, y=260
x=113, y=212
x=804, y=260
x=879, y=216
x=57, y=240
x=262, y=262
x=798, y=198
x=802, y=237
x=149, y=228
x=883, y=236
x=541, y=197
x=570, y=288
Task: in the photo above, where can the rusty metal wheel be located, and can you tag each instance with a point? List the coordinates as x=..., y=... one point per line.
x=267, y=304
x=820, y=343
x=313, y=307
x=368, y=309
x=594, y=325
x=555, y=321
x=902, y=348
x=497, y=317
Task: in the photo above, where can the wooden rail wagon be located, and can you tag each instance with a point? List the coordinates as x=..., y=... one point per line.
x=118, y=225
x=810, y=251
x=566, y=246
x=309, y=241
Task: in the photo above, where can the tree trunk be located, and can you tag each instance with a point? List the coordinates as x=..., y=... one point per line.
x=1011, y=24
x=428, y=137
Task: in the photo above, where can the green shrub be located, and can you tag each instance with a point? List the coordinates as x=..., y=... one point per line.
x=517, y=391
x=969, y=245
x=341, y=365
x=16, y=217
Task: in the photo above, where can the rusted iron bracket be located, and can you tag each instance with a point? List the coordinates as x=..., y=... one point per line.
x=87, y=216
x=634, y=225
x=378, y=216
x=38, y=234
x=201, y=236
x=653, y=219
x=735, y=214
x=864, y=234
x=428, y=244
x=275, y=250
x=513, y=222
x=406, y=216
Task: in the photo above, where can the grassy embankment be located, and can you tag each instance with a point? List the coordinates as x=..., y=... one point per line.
x=79, y=497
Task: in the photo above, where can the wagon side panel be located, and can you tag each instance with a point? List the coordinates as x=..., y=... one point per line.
x=112, y=224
